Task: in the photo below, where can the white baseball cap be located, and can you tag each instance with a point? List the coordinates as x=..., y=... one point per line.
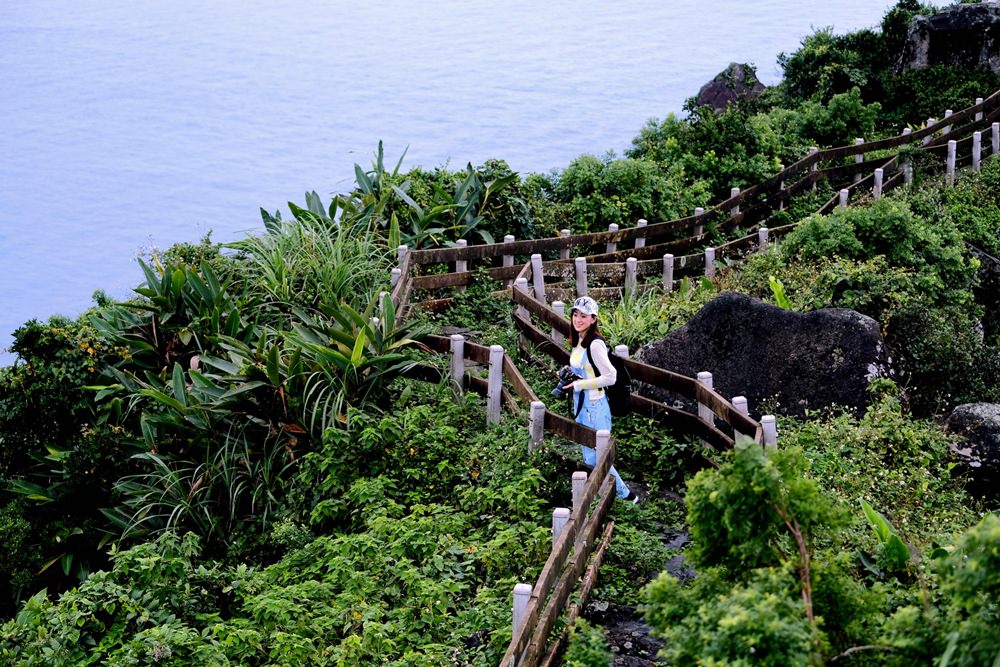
x=585, y=305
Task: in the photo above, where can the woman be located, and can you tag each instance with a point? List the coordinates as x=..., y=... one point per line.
x=589, y=402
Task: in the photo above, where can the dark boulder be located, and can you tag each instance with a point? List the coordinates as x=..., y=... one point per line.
x=966, y=36
x=736, y=82
x=978, y=451
x=782, y=361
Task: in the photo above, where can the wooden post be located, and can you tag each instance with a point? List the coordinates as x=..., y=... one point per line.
x=560, y=516
x=781, y=188
x=815, y=165
x=735, y=210
x=947, y=128
x=762, y=236
x=877, y=186
x=508, y=260
x=622, y=351
x=521, y=284
x=394, y=276
x=461, y=265
x=770, y=429
x=494, y=386
x=709, y=263
x=858, y=159
x=537, y=277
x=907, y=166
x=704, y=412
x=668, y=272
x=522, y=595
x=536, y=425
x=457, y=364
x=630, y=278
x=995, y=129
x=640, y=241
x=979, y=114
x=930, y=123
x=844, y=195
x=740, y=403
x=699, y=226
x=603, y=440
x=977, y=150
x=401, y=254
x=564, y=252
x=612, y=246
x=581, y=276
x=557, y=335
x=579, y=483
x=950, y=166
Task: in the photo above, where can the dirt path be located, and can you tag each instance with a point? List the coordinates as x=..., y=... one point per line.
x=626, y=629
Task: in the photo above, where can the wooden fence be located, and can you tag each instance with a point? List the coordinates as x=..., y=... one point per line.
x=541, y=321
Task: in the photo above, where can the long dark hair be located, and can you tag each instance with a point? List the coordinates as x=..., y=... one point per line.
x=592, y=332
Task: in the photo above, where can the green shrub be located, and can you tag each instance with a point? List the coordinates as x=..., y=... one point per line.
x=742, y=513
x=478, y=305
x=588, y=647
x=959, y=626
x=839, y=121
x=709, y=622
x=19, y=553
x=593, y=193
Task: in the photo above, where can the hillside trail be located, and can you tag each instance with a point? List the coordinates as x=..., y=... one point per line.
x=625, y=626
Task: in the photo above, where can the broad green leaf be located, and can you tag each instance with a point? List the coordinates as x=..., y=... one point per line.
x=394, y=239
x=31, y=491
x=221, y=364
x=876, y=521
x=364, y=183
x=272, y=368
x=243, y=388
x=163, y=398
x=357, y=355
x=179, y=385
x=177, y=280
x=409, y=201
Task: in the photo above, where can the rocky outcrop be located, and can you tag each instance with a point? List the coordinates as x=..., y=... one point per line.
x=965, y=36
x=978, y=450
x=783, y=362
x=736, y=82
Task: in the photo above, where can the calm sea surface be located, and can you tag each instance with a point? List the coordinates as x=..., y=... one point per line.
x=129, y=126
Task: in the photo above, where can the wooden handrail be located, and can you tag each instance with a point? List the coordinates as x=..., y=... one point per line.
x=560, y=571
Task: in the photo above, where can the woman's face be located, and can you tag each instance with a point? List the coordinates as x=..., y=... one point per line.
x=582, y=322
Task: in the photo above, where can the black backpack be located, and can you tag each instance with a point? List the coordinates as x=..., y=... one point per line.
x=619, y=394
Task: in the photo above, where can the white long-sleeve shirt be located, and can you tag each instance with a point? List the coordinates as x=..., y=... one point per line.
x=597, y=373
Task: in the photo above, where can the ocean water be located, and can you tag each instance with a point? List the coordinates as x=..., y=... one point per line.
x=130, y=126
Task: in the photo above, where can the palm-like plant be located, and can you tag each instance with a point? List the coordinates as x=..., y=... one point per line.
x=347, y=356
x=452, y=215
x=310, y=262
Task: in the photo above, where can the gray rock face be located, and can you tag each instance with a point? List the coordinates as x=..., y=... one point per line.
x=978, y=452
x=736, y=82
x=959, y=36
x=782, y=361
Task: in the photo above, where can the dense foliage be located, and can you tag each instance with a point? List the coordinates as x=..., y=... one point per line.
x=233, y=467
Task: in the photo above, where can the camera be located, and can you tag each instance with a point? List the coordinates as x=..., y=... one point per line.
x=566, y=375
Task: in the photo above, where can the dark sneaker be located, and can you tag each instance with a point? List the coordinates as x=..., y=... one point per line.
x=631, y=498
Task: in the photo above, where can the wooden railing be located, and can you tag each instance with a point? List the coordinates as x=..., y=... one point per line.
x=653, y=246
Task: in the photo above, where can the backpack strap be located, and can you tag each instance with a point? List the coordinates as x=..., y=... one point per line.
x=590, y=360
